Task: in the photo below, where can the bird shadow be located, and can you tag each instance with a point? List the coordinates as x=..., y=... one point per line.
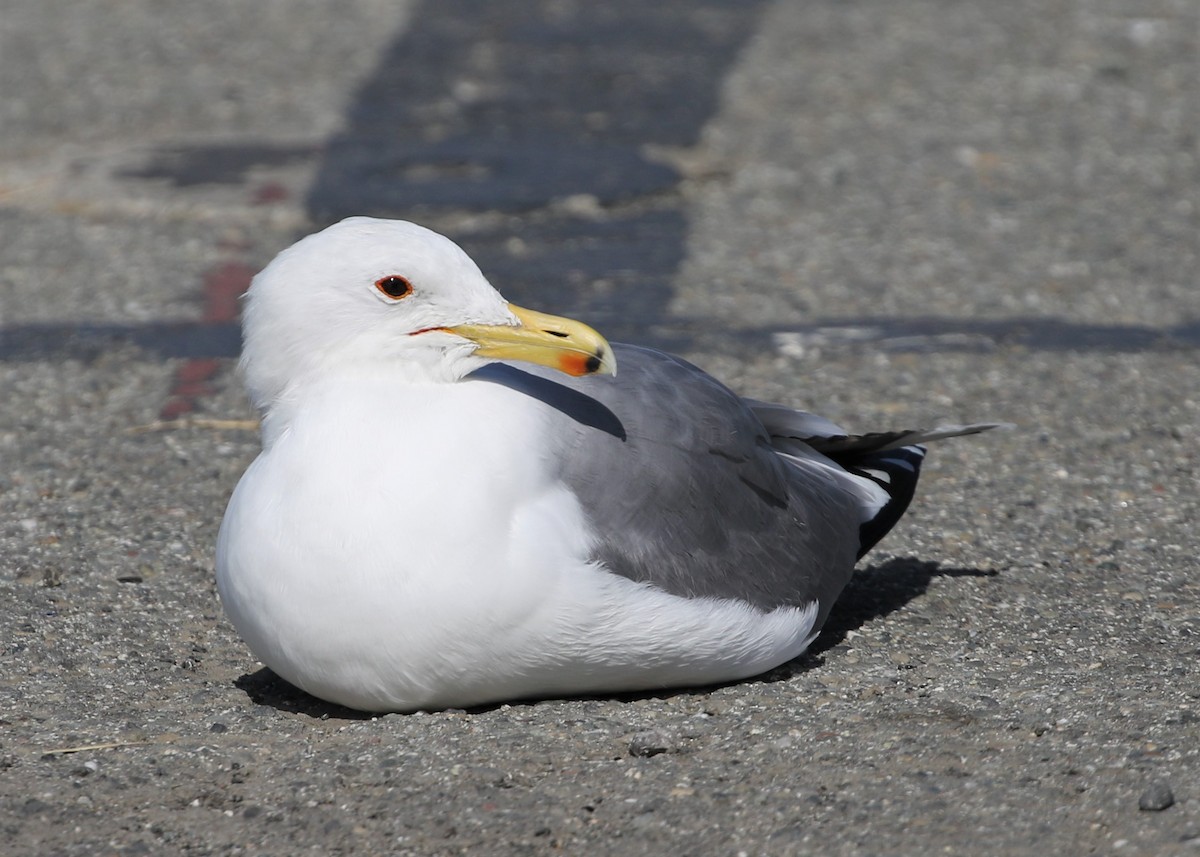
x=265, y=688
x=579, y=407
x=872, y=593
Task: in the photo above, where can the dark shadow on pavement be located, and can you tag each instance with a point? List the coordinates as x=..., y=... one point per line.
x=930, y=335
x=265, y=688
x=874, y=592
x=547, y=124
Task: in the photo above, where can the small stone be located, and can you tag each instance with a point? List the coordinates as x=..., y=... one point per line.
x=1156, y=798
x=218, y=727
x=649, y=743
x=33, y=806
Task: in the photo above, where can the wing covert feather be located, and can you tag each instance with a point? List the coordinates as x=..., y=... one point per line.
x=689, y=495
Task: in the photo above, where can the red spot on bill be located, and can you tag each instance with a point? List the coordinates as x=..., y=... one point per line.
x=577, y=364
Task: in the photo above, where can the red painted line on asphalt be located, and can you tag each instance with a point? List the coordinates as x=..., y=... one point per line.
x=222, y=287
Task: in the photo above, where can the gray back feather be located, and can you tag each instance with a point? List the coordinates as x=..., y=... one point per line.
x=699, y=492
x=685, y=490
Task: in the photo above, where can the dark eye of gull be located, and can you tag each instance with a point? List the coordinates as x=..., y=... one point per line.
x=394, y=287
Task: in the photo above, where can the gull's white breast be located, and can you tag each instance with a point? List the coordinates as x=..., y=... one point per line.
x=402, y=546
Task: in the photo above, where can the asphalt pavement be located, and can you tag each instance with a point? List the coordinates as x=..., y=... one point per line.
x=891, y=213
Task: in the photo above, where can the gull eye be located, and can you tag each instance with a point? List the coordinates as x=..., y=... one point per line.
x=394, y=287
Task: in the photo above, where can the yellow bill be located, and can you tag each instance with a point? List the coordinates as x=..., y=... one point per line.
x=547, y=340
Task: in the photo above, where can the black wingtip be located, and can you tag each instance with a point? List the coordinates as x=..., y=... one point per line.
x=895, y=471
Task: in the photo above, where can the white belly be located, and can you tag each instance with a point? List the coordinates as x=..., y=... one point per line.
x=417, y=556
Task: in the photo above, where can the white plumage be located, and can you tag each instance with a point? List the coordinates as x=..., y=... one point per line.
x=419, y=534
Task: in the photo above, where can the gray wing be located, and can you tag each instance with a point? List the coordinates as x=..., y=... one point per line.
x=684, y=490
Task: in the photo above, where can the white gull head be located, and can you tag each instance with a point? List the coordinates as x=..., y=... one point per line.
x=363, y=294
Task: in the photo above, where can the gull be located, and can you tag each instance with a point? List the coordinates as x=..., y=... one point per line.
x=461, y=502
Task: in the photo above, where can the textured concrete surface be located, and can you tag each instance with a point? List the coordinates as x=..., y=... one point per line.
x=889, y=212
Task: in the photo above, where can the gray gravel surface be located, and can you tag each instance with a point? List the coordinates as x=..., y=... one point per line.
x=891, y=213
